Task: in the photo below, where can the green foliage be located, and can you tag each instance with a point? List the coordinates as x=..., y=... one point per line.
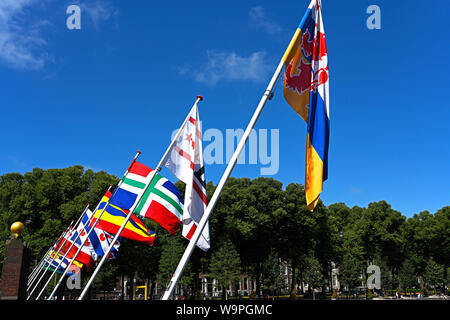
x=407, y=275
x=434, y=274
x=254, y=224
x=225, y=265
x=273, y=274
x=46, y=201
x=172, y=250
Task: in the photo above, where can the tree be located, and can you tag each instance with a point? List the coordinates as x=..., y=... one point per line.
x=350, y=271
x=407, y=275
x=434, y=274
x=46, y=201
x=172, y=249
x=225, y=266
x=246, y=211
x=313, y=275
x=273, y=279
x=294, y=230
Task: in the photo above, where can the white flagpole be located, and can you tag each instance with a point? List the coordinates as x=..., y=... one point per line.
x=38, y=269
x=153, y=173
x=267, y=95
x=67, y=252
x=59, y=249
x=38, y=266
x=44, y=270
x=190, y=248
x=87, y=236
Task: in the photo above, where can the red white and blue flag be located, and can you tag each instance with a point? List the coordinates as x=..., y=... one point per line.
x=98, y=241
x=84, y=256
x=186, y=163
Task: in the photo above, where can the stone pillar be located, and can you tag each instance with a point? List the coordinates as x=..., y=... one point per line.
x=13, y=282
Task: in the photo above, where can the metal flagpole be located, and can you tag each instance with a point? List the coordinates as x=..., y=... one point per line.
x=38, y=266
x=67, y=252
x=45, y=271
x=82, y=245
x=95, y=223
x=37, y=270
x=153, y=173
x=267, y=95
x=188, y=252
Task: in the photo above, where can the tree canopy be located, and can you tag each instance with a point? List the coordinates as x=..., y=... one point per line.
x=254, y=224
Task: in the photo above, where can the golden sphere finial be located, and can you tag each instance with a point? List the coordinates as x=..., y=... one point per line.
x=17, y=228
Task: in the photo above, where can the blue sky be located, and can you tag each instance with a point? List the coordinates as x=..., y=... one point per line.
x=127, y=78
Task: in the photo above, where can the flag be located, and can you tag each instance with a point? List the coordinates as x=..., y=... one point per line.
x=186, y=163
x=133, y=185
x=84, y=256
x=54, y=260
x=113, y=218
x=99, y=240
x=306, y=88
x=162, y=202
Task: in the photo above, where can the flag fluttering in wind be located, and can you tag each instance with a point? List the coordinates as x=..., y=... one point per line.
x=71, y=246
x=99, y=240
x=186, y=163
x=113, y=217
x=306, y=88
x=59, y=262
x=162, y=202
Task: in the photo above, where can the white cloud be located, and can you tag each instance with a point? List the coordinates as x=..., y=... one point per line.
x=230, y=66
x=259, y=19
x=21, y=43
x=99, y=12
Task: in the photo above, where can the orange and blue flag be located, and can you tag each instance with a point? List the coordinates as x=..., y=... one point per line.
x=306, y=89
x=113, y=217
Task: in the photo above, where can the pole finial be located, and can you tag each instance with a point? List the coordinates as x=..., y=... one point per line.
x=17, y=228
x=200, y=97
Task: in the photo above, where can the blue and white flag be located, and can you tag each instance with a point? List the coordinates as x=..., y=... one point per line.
x=99, y=240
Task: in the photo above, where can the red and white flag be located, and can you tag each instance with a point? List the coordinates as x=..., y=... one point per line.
x=186, y=163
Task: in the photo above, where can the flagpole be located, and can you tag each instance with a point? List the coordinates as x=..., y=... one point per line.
x=67, y=252
x=38, y=266
x=212, y=203
x=37, y=270
x=268, y=94
x=153, y=173
x=87, y=236
x=45, y=271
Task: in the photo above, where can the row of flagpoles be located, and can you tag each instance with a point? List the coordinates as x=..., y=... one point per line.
x=144, y=192
x=141, y=190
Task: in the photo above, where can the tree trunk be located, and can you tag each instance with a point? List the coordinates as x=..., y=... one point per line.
x=224, y=293
x=258, y=279
x=293, y=280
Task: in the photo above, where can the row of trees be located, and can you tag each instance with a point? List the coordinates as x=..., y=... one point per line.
x=254, y=225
